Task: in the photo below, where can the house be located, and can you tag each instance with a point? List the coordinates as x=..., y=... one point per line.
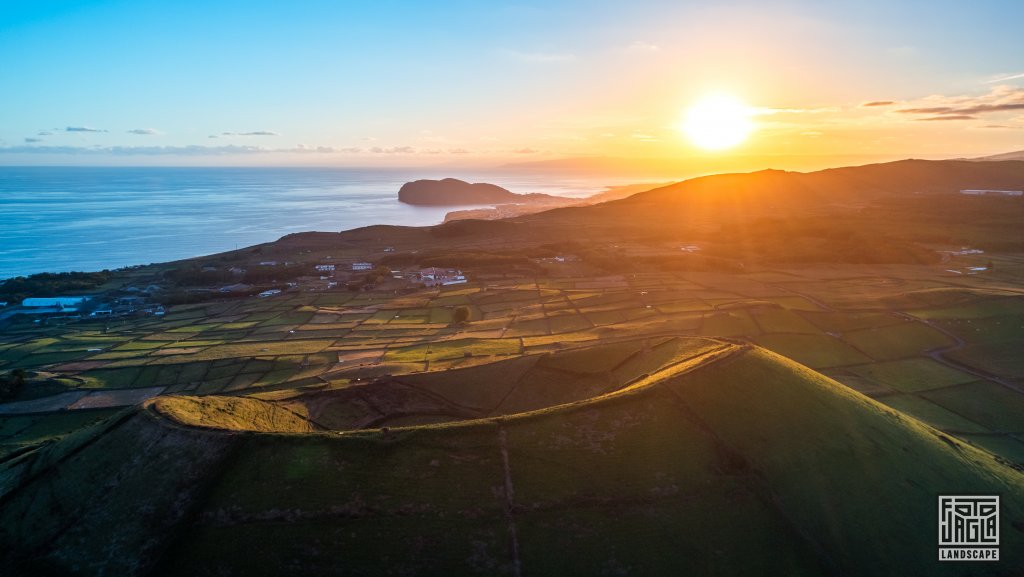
x=982, y=192
x=362, y=266
x=269, y=263
x=389, y=249
x=965, y=250
x=325, y=267
x=51, y=304
x=434, y=276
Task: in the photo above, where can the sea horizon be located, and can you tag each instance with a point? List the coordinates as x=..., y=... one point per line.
x=87, y=218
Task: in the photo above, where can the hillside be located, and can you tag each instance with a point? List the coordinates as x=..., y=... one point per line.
x=710, y=456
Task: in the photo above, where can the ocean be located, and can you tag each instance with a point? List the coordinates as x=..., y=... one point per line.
x=56, y=219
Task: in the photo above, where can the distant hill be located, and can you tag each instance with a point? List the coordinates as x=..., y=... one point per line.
x=1015, y=155
x=681, y=167
x=455, y=192
x=660, y=456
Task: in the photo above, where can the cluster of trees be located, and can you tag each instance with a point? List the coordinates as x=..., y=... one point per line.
x=265, y=274
x=184, y=297
x=11, y=384
x=460, y=315
x=197, y=275
x=465, y=259
x=457, y=228
x=370, y=279
x=51, y=284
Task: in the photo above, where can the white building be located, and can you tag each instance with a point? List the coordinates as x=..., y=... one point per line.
x=62, y=304
x=269, y=293
x=362, y=266
x=325, y=267
x=434, y=276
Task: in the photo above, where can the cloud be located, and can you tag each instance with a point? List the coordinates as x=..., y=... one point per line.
x=644, y=137
x=949, y=117
x=196, y=150
x=393, y=150
x=927, y=110
x=253, y=133
x=144, y=131
x=44, y=133
x=83, y=129
x=879, y=103
x=189, y=150
x=999, y=99
x=817, y=110
x=306, y=149
x=640, y=47
x=541, y=57
x=1005, y=78
x=526, y=151
x=992, y=108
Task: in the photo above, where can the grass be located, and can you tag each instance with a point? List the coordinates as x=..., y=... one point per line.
x=777, y=320
x=1003, y=358
x=725, y=468
x=814, y=350
x=453, y=349
x=897, y=341
x=729, y=324
x=590, y=360
x=32, y=429
x=232, y=413
x=933, y=414
x=913, y=375
x=990, y=404
x=661, y=479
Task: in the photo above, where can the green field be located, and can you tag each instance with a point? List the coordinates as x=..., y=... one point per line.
x=749, y=416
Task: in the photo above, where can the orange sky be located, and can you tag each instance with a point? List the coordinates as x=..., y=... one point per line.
x=484, y=84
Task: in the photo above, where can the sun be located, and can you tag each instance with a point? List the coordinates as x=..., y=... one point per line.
x=718, y=121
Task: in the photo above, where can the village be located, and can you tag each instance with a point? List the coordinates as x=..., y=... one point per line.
x=267, y=279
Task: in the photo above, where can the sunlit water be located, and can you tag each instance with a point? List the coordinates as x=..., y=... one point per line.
x=75, y=218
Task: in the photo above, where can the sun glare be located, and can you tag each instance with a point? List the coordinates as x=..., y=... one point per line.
x=718, y=121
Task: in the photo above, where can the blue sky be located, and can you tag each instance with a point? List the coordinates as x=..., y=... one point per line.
x=347, y=83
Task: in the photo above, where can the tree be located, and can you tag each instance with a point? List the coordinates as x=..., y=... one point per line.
x=11, y=384
x=461, y=315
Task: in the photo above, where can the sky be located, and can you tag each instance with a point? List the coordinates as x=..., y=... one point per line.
x=389, y=83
